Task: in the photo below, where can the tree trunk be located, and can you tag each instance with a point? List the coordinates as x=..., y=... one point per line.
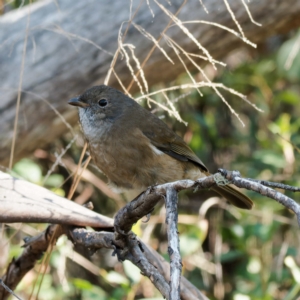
x=63, y=55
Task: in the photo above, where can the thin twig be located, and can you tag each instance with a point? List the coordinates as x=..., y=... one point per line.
x=33, y=250
x=154, y=46
x=275, y=185
x=173, y=243
x=11, y=158
x=235, y=178
x=8, y=289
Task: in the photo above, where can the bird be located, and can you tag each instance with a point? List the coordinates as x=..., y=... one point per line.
x=135, y=149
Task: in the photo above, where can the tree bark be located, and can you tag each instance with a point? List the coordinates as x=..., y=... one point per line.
x=63, y=57
x=22, y=201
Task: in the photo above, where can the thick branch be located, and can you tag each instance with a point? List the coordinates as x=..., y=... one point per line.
x=148, y=260
x=128, y=247
x=22, y=201
x=145, y=202
x=34, y=249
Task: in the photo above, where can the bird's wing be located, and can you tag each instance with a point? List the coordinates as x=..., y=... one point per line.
x=167, y=141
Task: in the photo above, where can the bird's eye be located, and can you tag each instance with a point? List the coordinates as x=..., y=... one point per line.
x=102, y=102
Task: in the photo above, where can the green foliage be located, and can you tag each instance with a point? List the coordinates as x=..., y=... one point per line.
x=288, y=51
x=88, y=290
x=28, y=170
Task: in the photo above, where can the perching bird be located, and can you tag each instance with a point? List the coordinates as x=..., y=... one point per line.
x=135, y=149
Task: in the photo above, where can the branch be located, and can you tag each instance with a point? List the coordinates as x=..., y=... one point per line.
x=173, y=248
x=34, y=249
x=125, y=243
x=259, y=187
x=152, y=264
x=22, y=201
x=145, y=202
x=275, y=185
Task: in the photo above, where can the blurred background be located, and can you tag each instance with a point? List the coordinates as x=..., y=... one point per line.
x=227, y=253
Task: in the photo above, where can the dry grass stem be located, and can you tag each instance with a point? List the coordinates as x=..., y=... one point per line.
x=71, y=36
x=152, y=13
x=19, y=90
x=44, y=263
x=152, y=38
x=124, y=52
x=175, y=112
x=84, y=262
x=249, y=13
x=116, y=55
x=243, y=38
x=288, y=140
x=58, y=159
x=121, y=83
x=205, y=58
x=154, y=46
x=201, y=84
x=178, y=22
x=232, y=91
x=77, y=178
x=204, y=7
x=234, y=18
x=182, y=96
x=183, y=63
x=73, y=187
x=138, y=65
x=216, y=90
x=169, y=111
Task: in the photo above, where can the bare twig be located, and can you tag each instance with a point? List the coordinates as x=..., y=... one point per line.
x=145, y=202
x=275, y=185
x=138, y=258
x=34, y=249
x=11, y=158
x=173, y=248
x=235, y=178
x=127, y=246
x=148, y=260
x=8, y=289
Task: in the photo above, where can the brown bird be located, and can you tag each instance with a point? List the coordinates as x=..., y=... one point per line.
x=135, y=149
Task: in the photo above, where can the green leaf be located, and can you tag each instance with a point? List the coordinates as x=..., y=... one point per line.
x=54, y=180
x=28, y=170
x=290, y=71
x=114, y=277
x=88, y=290
x=230, y=256
x=270, y=158
x=82, y=284
x=132, y=271
x=289, y=97
x=238, y=230
x=189, y=244
x=59, y=192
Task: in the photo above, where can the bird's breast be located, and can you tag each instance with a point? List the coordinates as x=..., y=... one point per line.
x=131, y=162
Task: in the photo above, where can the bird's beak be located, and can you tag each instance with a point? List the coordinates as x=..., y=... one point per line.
x=77, y=102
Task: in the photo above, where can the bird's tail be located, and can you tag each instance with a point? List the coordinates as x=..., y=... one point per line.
x=234, y=196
